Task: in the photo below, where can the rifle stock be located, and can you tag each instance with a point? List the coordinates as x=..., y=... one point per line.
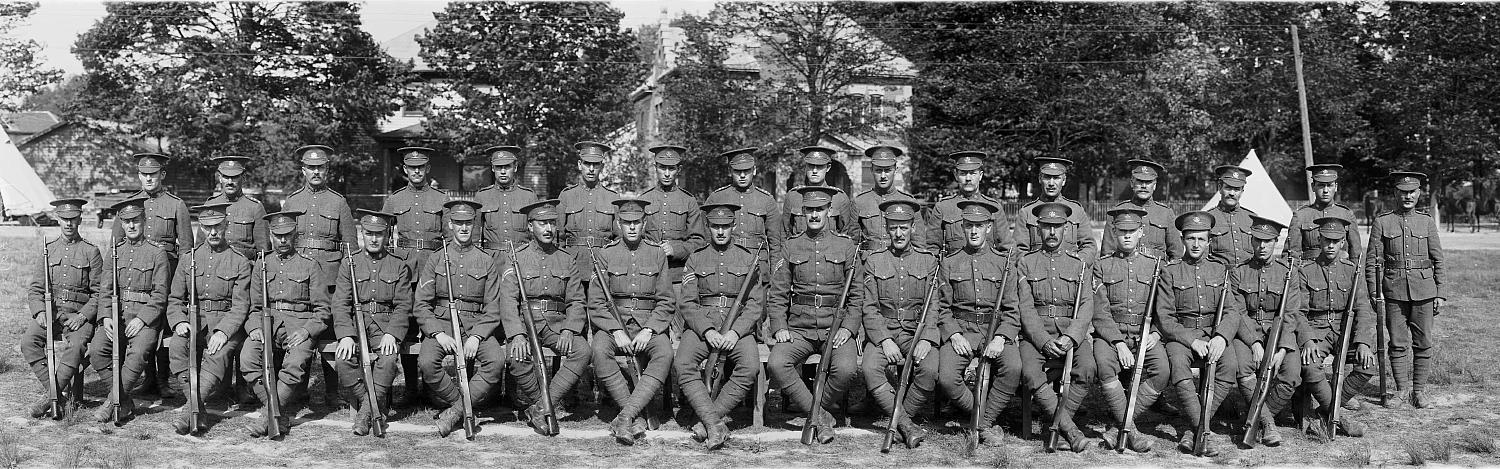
x=460, y=363
x=1066, y=380
x=549, y=414
x=366, y=359
x=1140, y=361
x=904, y=381
x=809, y=430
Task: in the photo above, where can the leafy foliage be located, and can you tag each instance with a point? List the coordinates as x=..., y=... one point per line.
x=21, y=70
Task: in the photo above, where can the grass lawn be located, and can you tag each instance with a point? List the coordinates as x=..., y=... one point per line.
x=1461, y=429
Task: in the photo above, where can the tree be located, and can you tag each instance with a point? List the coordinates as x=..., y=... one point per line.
x=541, y=75
x=21, y=70
x=257, y=79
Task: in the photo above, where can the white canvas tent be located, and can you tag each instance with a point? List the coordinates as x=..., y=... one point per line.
x=1260, y=195
x=22, y=192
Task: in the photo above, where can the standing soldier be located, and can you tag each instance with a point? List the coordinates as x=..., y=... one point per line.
x=326, y=219
x=673, y=220
x=634, y=270
x=298, y=301
x=945, y=228
x=587, y=212
x=554, y=298
x=1260, y=282
x=167, y=224
x=502, y=201
x=418, y=208
x=1405, y=266
x=804, y=304
x=74, y=265
x=1187, y=300
x=221, y=278
x=247, y=226
x=1328, y=283
x=1159, y=236
x=464, y=277
x=143, y=283
x=713, y=277
x=895, y=295
x=1303, y=239
x=1048, y=281
x=974, y=273
x=816, y=161
x=1077, y=234
x=381, y=278
x=757, y=225
x=1120, y=311
x=867, y=203
x=1230, y=237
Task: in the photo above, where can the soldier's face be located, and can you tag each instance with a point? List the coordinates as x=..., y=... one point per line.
x=504, y=173
x=885, y=177
x=900, y=232
x=374, y=240
x=976, y=233
x=150, y=181
x=416, y=175
x=1230, y=196
x=1262, y=248
x=590, y=171
x=968, y=180
x=1409, y=198
x=282, y=243
x=1325, y=191
x=1196, y=243
x=631, y=230
x=1331, y=248
x=721, y=234
x=1129, y=239
x=315, y=176
x=817, y=173
x=544, y=231
x=742, y=177
x=214, y=235
x=1052, y=184
x=229, y=185
x=666, y=175
x=817, y=217
x=463, y=230
x=1051, y=234
x=132, y=228
x=1143, y=189
x=69, y=226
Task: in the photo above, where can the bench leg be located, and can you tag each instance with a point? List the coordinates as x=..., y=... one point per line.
x=1026, y=403
x=762, y=387
x=413, y=380
x=330, y=381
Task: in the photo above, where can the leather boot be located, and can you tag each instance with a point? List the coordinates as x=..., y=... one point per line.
x=823, y=424
x=258, y=427
x=620, y=429
x=362, y=419
x=1417, y=399
x=536, y=418
x=911, y=433
x=1077, y=392
x=1350, y=427
x=449, y=419
x=717, y=434
x=1185, y=444
x=992, y=435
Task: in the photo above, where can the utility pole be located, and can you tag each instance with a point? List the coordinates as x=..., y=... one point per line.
x=1307, y=156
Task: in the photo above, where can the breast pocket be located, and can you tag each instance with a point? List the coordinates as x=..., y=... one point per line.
x=620, y=279
x=801, y=264
x=469, y=282
x=320, y=224
x=241, y=230
x=216, y=286
x=295, y=284
x=136, y=277
x=385, y=286
x=161, y=226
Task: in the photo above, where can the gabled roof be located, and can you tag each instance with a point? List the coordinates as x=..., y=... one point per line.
x=405, y=47
x=29, y=122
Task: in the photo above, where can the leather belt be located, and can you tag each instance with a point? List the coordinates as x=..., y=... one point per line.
x=1260, y=315
x=209, y=306
x=462, y=305
x=546, y=306
x=60, y=294
x=590, y=241
x=423, y=244
x=749, y=243
x=1411, y=264
x=293, y=306
x=168, y=245
x=496, y=245
x=1194, y=321
x=635, y=304
x=972, y=316
x=316, y=243
x=1327, y=317
x=903, y=314
x=716, y=301
x=135, y=296
x=1128, y=319
x=816, y=301
x=375, y=307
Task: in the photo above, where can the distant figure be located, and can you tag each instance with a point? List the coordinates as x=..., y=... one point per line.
x=1373, y=206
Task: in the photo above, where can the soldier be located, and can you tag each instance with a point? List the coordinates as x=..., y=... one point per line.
x=222, y=281
x=293, y=286
x=712, y=278
x=247, y=226
x=1078, y=232
x=1328, y=282
x=804, y=303
x=143, y=272
x=757, y=225
x=418, y=208
x=1404, y=265
x=588, y=215
x=946, y=228
x=554, y=296
x=1230, y=237
x=1119, y=316
x=1187, y=299
x=326, y=219
x=167, y=224
x=673, y=220
x=895, y=294
x=816, y=161
x=1260, y=283
x=973, y=290
x=385, y=301
x=75, y=266
x=867, y=203
x=642, y=294
x=1304, y=237
x=465, y=278
x=1047, y=282
x=1159, y=234
x=502, y=201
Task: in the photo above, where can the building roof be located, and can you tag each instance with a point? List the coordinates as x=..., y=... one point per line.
x=28, y=122
x=405, y=47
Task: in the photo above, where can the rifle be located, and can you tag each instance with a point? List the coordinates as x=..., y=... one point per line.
x=116, y=382
x=1382, y=357
x=549, y=416
x=195, y=398
x=614, y=311
x=366, y=361
x=1065, y=382
x=714, y=364
x=904, y=381
x=268, y=351
x=1266, y=370
x=460, y=364
x=821, y=382
x=1206, y=379
x=1341, y=354
x=982, y=375
x=49, y=309
x=1140, y=360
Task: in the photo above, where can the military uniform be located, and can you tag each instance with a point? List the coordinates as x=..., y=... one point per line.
x=841, y=213
x=867, y=205
x=588, y=217
x=1329, y=286
x=1161, y=237
x=945, y=224
x=804, y=301
x=221, y=277
x=501, y=206
x=419, y=213
x=712, y=278
x=246, y=231
x=379, y=284
x=168, y=226
x=1260, y=284
x=143, y=274
x=1304, y=239
x=1229, y=240
x=1120, y=302
x=465, y=278
x=326, y=221
x=75, y=266
x=758, y=226
x=291, y=286
x=673, y=216
x=1405, y=265
x=1078, y=232
x=1048, y=281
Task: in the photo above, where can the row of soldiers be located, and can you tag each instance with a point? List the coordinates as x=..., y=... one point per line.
x=494, y=279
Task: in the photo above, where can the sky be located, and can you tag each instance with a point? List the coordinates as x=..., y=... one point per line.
x=57, y=24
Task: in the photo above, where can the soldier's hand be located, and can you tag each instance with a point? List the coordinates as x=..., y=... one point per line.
x=471, y=347
x=387, y=344
x=216, y=342
x=995, y=348
x=1200, y=348
x=1280, y=355
x=565, y=342
x=666, y=247
x=641, y=339
x=134, y=327
x=345, y=350
x=41, y=319
x=1151, y=340
x=519, y=349
x=730, y=338
x=891, y=351
x=256, y=336
x=182, y=329
x=923, y=348
x=298, y=336
x=1216, y=348
x=75, y=321
x=1310, y=353
x=961, y=345
x=1257, y=352
x=840, y=337
x=1437, y=306
x=446, y=342
x=1127, y=361
x=782, y=336
x=622, y=341
x=714, y=339
x=108, y=327
x=1366, y=358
